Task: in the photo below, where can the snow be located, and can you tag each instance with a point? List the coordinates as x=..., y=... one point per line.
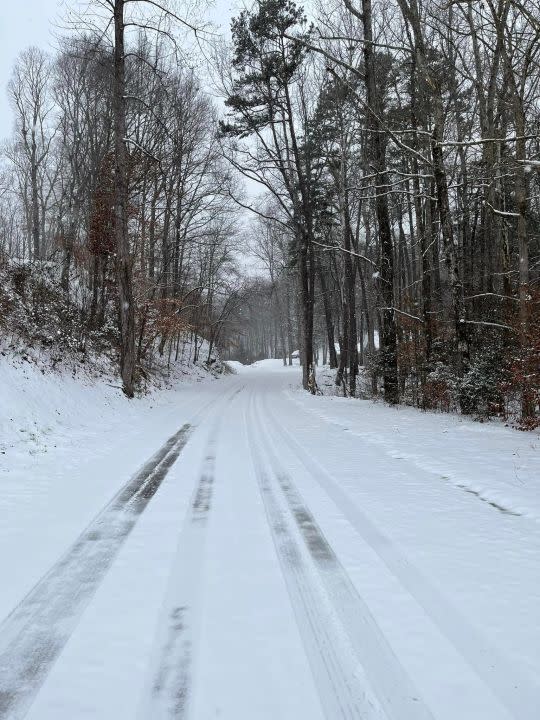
x=302, y=557
x=66, y=444
x=495, y=463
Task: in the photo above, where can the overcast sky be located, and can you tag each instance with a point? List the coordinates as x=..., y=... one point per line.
x=22, y=23
x=37, y=22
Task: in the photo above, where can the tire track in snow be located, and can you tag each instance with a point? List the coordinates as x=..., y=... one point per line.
x=334, y=667
x=394, y=689
x=519, y=695
x=170, y=691
x=34, y=634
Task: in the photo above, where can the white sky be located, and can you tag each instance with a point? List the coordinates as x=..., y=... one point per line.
x=37, y=22
x=22, y=23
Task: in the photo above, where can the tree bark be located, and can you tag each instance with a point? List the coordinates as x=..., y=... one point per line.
x=327, y=317
x=378, y=149
x=124, y=269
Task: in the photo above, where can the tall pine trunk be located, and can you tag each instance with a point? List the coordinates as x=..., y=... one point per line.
x=378, y=150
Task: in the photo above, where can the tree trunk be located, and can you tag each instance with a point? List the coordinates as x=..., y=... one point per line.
x=35, y=203
x=327, y=317
x=124, y=270
x=306, y=313
x=378, y=148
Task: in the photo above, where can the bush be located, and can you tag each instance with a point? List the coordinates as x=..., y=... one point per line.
x=480, y=389
x=439, y=391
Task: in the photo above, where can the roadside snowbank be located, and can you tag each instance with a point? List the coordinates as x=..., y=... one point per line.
x=40, y=405
x=497, y=464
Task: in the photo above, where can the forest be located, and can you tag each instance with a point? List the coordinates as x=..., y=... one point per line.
x=376, y=163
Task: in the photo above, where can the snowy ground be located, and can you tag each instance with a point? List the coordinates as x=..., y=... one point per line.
x=240, y=550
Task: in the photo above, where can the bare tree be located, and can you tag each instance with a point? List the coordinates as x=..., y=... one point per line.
x=29, y=92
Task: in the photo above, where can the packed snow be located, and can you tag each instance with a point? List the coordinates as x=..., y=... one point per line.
x=239, y=549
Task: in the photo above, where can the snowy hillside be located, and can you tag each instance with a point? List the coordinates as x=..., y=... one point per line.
x=43, y=405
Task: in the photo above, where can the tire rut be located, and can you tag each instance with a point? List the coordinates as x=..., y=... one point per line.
x=394, y=689
x=170, y=691
x=34, y=634
x=36, y=631
x=519, y=695
x=334, y=666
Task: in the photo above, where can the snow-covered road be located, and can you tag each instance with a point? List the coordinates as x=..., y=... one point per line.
x=246, y=551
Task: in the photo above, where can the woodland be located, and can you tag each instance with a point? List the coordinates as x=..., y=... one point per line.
x=353, y=183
